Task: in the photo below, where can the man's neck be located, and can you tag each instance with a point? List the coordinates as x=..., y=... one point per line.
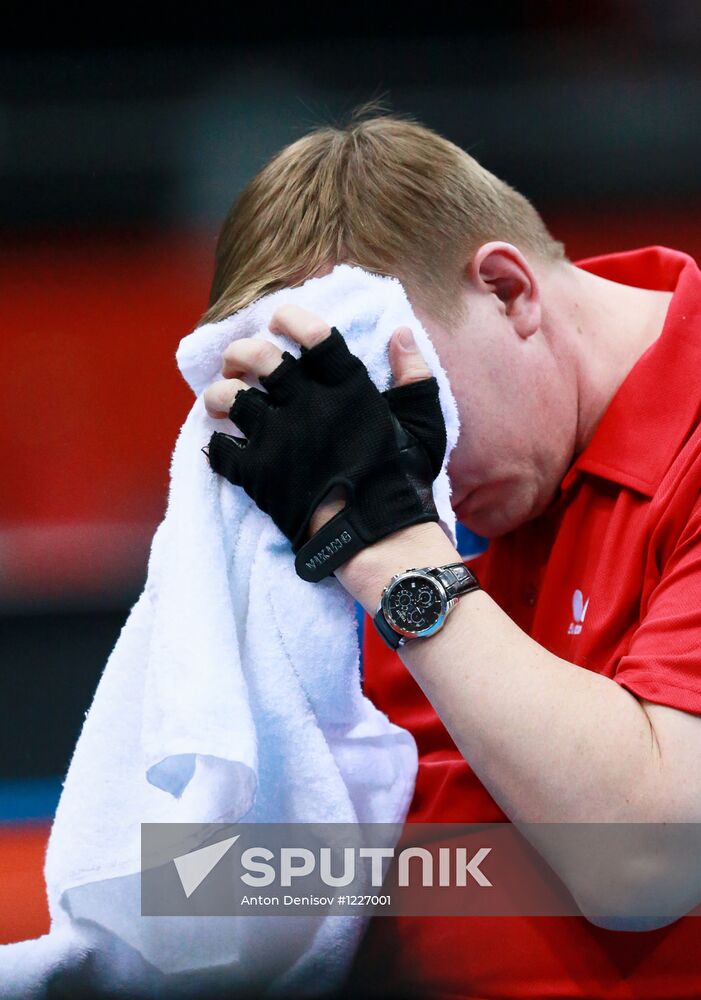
x=610, y=326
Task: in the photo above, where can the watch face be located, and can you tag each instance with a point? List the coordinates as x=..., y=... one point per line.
x=414, y=604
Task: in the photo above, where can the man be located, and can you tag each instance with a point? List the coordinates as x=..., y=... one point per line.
x=568, y=688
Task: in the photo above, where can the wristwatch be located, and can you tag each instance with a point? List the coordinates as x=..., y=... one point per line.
x=417, y=602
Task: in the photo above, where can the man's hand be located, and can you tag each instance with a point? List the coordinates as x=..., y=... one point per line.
x=253, y=357
x=419, y=414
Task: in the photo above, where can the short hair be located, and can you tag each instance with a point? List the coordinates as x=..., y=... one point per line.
x=383, y=192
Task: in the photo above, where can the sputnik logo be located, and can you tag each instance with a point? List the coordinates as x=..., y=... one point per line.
x=193, y=868
x=579, y=610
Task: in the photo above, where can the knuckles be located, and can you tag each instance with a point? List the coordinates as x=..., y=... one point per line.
x=219, y=396
x=251, y=351
x=264, y=354
x=417, y=374
x=300, y=324
x=317, y=333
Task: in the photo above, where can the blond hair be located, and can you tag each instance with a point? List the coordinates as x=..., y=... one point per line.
x=383, y=192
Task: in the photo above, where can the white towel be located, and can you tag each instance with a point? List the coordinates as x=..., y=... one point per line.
x=233, y=692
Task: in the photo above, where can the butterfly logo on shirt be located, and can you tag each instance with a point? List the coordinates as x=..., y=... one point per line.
x=579, y=610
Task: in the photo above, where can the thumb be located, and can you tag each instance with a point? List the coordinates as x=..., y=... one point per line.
x=405, y=358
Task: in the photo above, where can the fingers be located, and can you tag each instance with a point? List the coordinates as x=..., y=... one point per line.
x=219, y=396
x=300, y=324
x=324, y=354
x=225, y=455
x=259, y=359
x=250, y=356
x=249, y=409
x=330, y=361
x=247, y=406
x=417, y=406
x=405, y=358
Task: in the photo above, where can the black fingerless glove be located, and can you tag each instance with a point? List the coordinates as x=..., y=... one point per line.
x=322, y=421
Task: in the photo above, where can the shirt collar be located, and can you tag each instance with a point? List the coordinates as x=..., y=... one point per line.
x=659, y=401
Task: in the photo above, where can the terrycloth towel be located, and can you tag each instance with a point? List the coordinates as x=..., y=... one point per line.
x=233, y=692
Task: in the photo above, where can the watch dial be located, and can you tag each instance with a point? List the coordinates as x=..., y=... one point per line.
x=414, y=604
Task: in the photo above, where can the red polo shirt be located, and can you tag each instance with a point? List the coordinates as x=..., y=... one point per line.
x=609, y=578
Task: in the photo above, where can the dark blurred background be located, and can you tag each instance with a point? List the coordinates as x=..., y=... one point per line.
x=121, y=149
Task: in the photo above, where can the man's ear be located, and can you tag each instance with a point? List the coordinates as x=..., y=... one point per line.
x=500, y=269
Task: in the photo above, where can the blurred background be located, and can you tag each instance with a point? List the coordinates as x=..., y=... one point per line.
x=121, y=150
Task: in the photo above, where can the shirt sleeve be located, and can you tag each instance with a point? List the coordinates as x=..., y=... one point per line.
x=663, y=662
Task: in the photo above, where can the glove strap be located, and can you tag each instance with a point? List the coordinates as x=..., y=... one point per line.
x=334, y=543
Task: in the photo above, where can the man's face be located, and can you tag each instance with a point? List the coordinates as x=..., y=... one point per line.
x=517, y=404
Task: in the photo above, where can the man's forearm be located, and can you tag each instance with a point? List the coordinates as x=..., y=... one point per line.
x=551, y=741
